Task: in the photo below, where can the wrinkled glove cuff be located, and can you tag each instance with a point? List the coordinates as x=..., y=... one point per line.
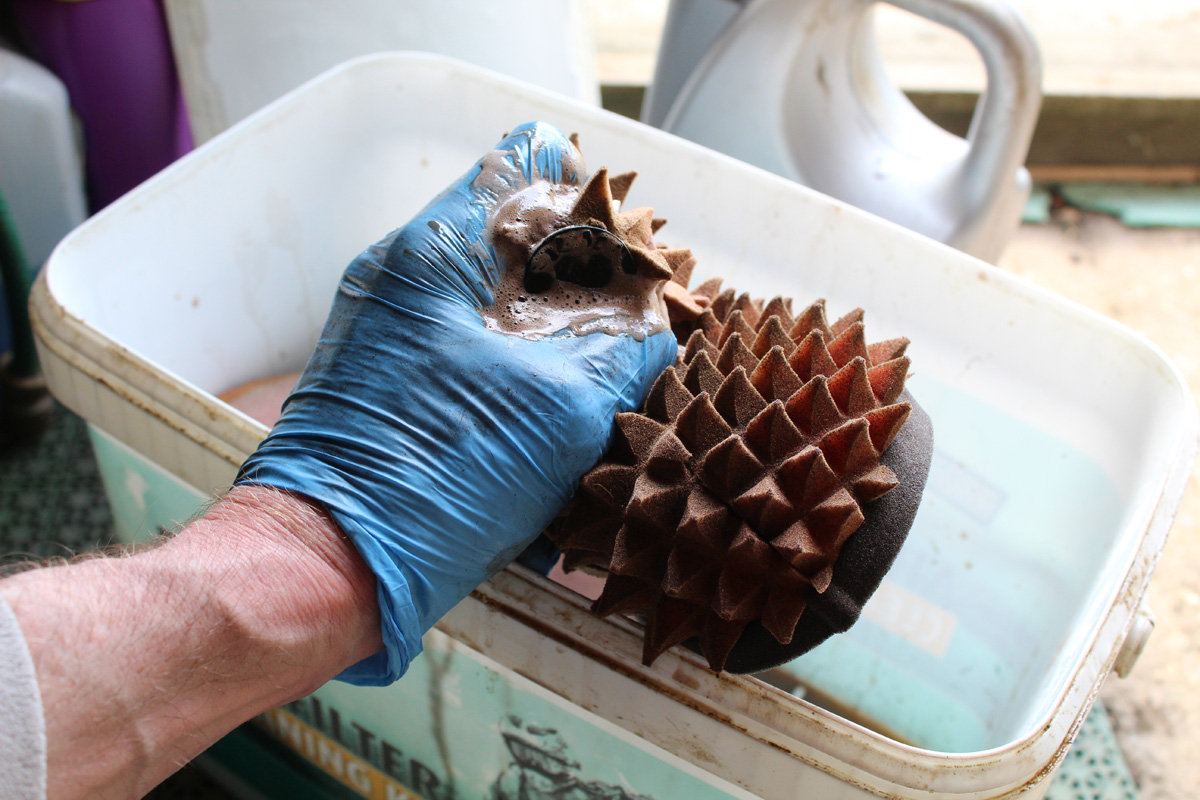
x=400, y=626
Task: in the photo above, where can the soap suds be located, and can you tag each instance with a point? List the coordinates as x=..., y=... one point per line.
x=627, y=304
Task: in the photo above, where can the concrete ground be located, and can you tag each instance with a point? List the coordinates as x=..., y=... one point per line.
x=1146, y=279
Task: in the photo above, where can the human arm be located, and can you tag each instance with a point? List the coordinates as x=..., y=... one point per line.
x=145, y=661
x=439, y=446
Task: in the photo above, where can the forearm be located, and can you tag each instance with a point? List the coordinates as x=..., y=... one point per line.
x=144, y=661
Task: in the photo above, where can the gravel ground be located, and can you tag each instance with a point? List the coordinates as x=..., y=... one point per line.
x=1146, y=279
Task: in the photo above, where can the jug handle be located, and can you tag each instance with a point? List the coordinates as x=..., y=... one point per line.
x=1004, y=119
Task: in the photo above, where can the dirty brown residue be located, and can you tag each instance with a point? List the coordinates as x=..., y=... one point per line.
x=628, y=299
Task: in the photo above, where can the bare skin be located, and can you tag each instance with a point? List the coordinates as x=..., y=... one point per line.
x=145, y=661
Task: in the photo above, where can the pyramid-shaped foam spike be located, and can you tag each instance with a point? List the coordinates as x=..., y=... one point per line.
x=728, y=497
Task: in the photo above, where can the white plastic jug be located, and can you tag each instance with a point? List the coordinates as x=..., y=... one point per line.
x=798, y=87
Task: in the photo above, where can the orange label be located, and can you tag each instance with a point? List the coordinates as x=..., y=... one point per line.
x=331, y=757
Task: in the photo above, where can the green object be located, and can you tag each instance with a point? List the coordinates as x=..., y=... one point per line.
x=1138, y=205
x=1094, y=769
x=1037, y=207
x=18, y=279
x=145, y=499
x=250, y=764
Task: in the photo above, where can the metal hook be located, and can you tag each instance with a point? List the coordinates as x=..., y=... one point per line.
x=580, y=254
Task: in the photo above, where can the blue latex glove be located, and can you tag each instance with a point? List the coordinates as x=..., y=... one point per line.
x=440, y=447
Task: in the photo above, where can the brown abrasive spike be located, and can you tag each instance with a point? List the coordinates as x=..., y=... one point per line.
x=813, y=408
x=634, y=226
x=728, y=468
x=588, y=526
x=639, y=552
x=874, y=485
x=848, y=447
x=625, y=595
x=673, y=622
x=578, y=557
x=698, y=343
x=710, y=288
x=700, y=427
x=811, y=357
x=734, y=354
x=650, y=264
x=833, y=520
x=771, y=334
x=786, y=600
x=778, y=307
x=861, y=398
x=811, y=319
x=618, y=185
x=657, y=224
x=683, y=272
x=706, y=522
x=851, y=343
x=823, y=579
x=681, y=262
x=718, y=638
x=611, y=484
x=573, y=139
x=750, y=309
x=691, y=572
x=669, y=460
x=737, y=401
x=773, y=378
x=886, y=423
x=703, y=376
x=741, y=588
x=772, y=436
x=723, y=304
x=710, y=325
x=594, y=203
x=807, y=479
x=681, y=305
x=657, y=503
x=736, y=323
x=886, y=350
x=575, y=559
x=887, y=379
x=845, y=322
x=668, y=396
x=851, y=388
x=798, y=548
x=592, y=533
x=637, y=435
x=765, y=508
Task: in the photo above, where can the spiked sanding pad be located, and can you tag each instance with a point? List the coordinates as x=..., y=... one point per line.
x=756, y=501
x=865, y=558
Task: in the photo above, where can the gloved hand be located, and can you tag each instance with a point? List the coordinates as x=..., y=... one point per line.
x=442, y=448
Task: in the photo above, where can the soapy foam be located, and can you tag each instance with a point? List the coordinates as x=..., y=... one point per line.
x=629, y=304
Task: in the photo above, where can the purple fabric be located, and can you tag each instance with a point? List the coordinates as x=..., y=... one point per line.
x=115, y=58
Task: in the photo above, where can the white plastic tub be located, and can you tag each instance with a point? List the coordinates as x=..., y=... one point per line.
x=1064, y=442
